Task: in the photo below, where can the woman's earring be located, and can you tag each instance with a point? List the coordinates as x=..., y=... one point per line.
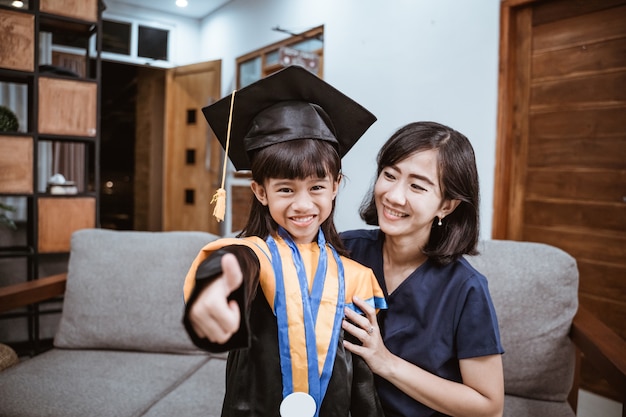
x=439, y=224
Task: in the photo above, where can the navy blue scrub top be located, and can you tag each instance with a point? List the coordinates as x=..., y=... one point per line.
x=437, y=316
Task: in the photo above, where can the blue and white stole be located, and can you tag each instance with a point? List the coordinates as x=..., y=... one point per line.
x=309, y=327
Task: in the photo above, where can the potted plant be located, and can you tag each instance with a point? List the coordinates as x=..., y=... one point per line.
x=8, y=120
x=4, y=219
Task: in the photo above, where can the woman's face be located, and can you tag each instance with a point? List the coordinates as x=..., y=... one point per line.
x=408, y=197
x=299, y=206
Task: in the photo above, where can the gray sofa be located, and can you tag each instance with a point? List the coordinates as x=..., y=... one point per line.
x=120, y=349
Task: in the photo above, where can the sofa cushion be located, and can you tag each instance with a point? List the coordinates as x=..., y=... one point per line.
x=201, y=395
x=517, y=406
x=79, y=383
x=125, y=290
x=535, y=303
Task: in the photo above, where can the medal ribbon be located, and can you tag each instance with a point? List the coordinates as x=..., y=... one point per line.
x=311, y=301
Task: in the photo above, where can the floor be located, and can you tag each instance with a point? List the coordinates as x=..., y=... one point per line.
x=592, y=405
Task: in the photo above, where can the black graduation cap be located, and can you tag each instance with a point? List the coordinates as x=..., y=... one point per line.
x=290, y=104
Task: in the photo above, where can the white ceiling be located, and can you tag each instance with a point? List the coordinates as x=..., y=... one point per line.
x=196, y=9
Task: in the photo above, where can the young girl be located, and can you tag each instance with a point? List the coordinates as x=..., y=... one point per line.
x=283, y=284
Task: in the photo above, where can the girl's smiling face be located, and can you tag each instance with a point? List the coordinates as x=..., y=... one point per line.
x=300, y=206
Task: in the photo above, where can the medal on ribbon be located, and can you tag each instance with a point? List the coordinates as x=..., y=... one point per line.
x=298, y=308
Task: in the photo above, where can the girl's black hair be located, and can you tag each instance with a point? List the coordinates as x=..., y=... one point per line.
x=298, y=159
x=458, y=178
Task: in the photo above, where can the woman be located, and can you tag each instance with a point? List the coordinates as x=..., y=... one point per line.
x=436, y=349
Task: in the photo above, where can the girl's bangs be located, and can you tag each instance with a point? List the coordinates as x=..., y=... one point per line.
x=299, y=159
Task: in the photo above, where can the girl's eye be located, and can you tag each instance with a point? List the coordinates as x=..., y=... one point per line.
x=388, y=175
x=284, y=190
x=417, y=187
x=317, y=187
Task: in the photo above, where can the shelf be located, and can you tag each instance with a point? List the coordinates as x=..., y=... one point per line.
x=16, y=251
x=50, y=23
x=78, y=195
x=12, y=75
x=50, y=73
x=64, y=138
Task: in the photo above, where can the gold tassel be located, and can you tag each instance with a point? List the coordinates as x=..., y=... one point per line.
x=219, y=198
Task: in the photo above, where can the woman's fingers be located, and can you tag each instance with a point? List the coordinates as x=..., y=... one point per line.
x=370, y=312
x=358, y=325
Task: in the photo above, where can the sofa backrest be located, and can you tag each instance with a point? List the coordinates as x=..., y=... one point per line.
x=125, y=290
x=534, y=288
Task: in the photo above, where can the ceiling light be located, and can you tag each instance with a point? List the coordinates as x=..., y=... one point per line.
x=181, y=3
x=18, y=4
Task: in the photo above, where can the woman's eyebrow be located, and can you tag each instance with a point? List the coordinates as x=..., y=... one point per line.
x=413, y=175
x=423, y=178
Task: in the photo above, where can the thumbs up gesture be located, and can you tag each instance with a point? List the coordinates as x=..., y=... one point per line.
x=212, y=315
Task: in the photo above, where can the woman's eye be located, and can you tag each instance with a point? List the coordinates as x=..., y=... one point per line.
x=388, y=175
x=418, y=187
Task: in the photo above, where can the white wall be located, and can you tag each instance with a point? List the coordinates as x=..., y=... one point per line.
x=404, y=60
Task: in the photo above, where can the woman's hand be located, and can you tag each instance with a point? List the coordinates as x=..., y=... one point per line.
x=212, y=316
x=365, y=329
x=482, y=394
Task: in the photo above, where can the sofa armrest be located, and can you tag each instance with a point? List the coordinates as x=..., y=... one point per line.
x=31, y=292
x=602, y=347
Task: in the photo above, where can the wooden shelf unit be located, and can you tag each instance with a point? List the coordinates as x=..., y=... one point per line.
x=62, y=129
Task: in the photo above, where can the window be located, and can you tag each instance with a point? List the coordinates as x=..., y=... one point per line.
x=135, y=42
x=116, y=37
x=306, y=49
x=152, y=43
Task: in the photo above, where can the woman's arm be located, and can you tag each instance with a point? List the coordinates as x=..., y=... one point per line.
x=480, y=394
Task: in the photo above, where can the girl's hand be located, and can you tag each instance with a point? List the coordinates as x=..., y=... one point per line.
x=212, y=316
x=365, y=328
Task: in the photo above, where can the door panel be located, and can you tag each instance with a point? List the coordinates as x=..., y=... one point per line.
x=192, y=158
x=561, y=149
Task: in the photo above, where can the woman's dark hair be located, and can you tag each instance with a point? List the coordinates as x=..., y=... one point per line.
x=458, y=178
x=299, y=159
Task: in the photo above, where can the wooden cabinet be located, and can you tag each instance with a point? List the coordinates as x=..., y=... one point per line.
x=59, y=218
x=67, y=107
x=16, y=164
x=56, y=101
x=17, y=34
x=78, y=9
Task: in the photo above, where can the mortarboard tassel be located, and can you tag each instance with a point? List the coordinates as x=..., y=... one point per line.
x=219, y=198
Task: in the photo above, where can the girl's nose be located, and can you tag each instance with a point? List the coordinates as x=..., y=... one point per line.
x=302, y=201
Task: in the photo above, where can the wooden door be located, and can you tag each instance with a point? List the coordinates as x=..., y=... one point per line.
x=561, y=151
x=192, y=158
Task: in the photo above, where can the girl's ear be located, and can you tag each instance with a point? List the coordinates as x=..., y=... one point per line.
x=259, y=192
x=336, y=185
